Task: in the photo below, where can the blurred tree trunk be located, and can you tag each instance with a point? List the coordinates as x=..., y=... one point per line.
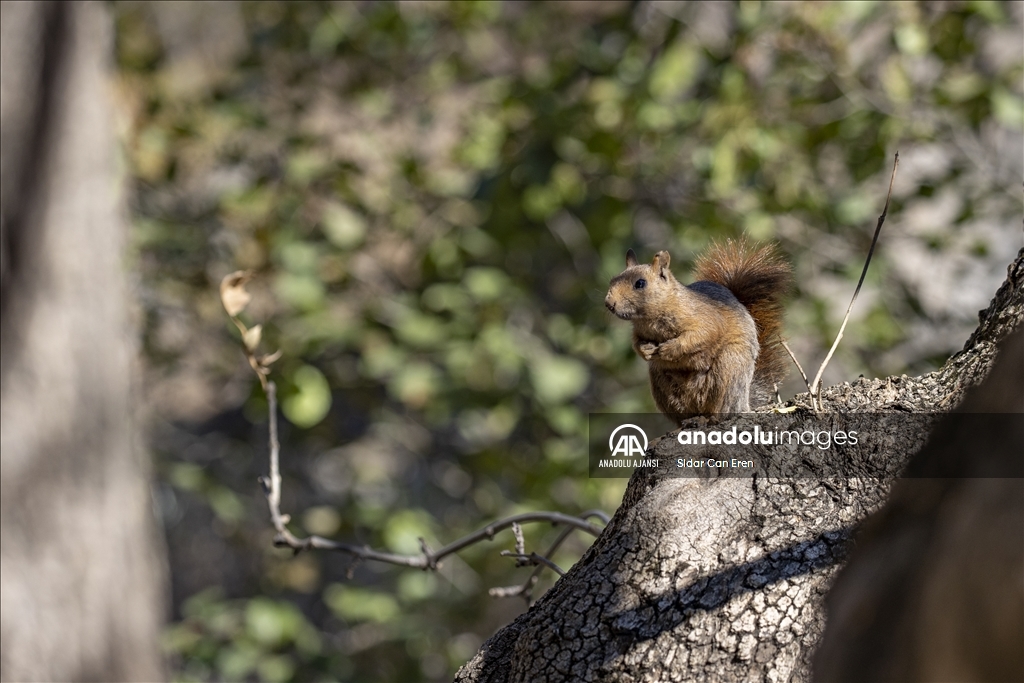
x=81, y=564
x=724, y=579
x=934, y=589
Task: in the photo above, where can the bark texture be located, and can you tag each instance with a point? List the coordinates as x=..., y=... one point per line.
x=724, y=579
x=80, y=565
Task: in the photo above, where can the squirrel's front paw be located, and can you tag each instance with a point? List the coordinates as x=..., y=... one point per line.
x=648, y=350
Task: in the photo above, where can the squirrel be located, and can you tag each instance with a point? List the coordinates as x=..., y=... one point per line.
x=711, y=345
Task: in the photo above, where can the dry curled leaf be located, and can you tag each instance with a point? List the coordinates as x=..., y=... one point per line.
x=232, y=292
x=251, y=337
x=268, y=359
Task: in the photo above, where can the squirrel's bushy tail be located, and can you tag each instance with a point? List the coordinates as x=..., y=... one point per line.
x=759, y=277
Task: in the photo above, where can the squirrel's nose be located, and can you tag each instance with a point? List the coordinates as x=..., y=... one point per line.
x=608, y=303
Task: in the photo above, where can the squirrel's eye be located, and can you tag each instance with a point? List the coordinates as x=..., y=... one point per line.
x=640, y=284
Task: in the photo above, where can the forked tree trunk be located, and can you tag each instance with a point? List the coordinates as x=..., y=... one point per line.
x=81, y=568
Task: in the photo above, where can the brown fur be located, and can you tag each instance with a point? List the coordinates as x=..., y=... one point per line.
x=759, y=277
x=703, y=347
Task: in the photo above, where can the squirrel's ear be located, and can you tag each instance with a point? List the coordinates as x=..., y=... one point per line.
x=661, y=261
x=630, y=258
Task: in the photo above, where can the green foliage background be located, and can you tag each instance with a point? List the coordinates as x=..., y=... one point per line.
x=433, y=197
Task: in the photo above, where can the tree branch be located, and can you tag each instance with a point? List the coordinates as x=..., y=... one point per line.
x=523, y=559
x=428, y=559
x=235, y=298
x=525, y=590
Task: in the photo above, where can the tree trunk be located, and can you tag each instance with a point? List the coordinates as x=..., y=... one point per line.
x=724, y=579
x=80, y=562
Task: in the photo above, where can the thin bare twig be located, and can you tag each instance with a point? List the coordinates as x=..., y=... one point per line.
x=797, y=363
x=235, y=298
x=525, y=589
x=428, y=559
x=816, y=385
x=531, y=559
x=511, y=591
x=517, y=531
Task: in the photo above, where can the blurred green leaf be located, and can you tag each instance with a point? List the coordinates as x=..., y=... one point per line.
x=989, y=9
x=856, y=209
x=381, y=359
x=486, y=284
x=321, y=520
x=226, y=505
x=416, y=586
x=567, y=180
x=895, y=82
x=342, y=226
x=309, y=404
x=675, y=71
x=270, y=623
x=963, y=85
x=557, y=378
x=299, y=257
x=352, y=603
x=304, y=292
x=421, y=330
x=404, y=529
x=1008, y=108
x=483, y=147
x=445, y=297
x=276, y=669
x=415, y=383
x=187, y=476
x=151, y=153
x=485, y=427
x=237, y=661
x=249, y=207
x=912, y=39
x=306, y=166
x=541, y=201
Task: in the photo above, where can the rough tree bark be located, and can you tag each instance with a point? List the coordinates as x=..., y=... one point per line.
x=724, y=579
x=80, y=560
